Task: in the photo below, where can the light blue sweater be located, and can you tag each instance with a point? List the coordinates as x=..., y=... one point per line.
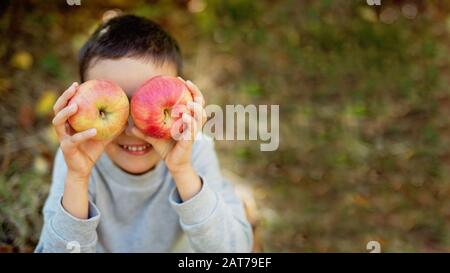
x=144, y=213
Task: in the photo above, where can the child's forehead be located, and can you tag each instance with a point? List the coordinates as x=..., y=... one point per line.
x=128, y=73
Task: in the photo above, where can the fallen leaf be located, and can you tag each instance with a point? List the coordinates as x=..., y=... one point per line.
x=45, y=103
x=40, y=165
x=368, y=14
x=51, y=137
x=360, y=201
x=5, y=85
x=22, y=60
x=6, y=248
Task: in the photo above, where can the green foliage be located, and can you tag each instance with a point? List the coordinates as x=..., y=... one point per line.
x=21, y=196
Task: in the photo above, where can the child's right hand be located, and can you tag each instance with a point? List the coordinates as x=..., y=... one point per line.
x=80, y=151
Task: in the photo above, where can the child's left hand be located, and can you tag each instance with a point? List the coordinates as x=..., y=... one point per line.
x=177, y=154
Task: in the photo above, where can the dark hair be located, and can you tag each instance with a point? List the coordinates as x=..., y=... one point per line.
x=129, y=36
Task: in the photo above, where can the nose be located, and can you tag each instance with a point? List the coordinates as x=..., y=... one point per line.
x=130, y=125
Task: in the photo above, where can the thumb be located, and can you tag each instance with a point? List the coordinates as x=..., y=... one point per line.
x=161, y=146
x=139, y=134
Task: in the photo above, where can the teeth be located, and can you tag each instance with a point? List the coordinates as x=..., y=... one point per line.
x=136, y=148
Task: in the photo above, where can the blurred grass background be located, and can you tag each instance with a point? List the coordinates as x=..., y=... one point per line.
x=363, y=95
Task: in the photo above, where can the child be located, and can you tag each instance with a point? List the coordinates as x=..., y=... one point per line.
x=135, y=193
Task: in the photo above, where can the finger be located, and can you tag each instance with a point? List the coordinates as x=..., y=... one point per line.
x=177, y=129
x=178, y=110
x=83, y=136
x=64, y=114
x=139, y=134
x=190, y=130
x=196, y=93
x=60, y=120
x=197, y=109
x=199, y=113
x=199, y=100
x=65, y=97
x=71, y=142
x=204, y=116
x=162, y=147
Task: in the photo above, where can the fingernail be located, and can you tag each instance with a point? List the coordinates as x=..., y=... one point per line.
x=92, y=131
x=188, y=81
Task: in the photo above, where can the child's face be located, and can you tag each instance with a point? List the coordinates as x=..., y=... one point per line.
x=130, y=73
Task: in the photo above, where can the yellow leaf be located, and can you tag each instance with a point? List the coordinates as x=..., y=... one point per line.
x=78, y=41
x=22, y=60
x=45, y=103
x=50, y=136
x=368, y=14
x=40, y=165
x=360, y=201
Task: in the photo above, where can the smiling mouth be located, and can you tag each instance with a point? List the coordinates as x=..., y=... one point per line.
x=136, y=149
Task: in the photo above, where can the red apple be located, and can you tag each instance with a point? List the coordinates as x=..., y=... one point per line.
x=158, y=104
x=102, y=105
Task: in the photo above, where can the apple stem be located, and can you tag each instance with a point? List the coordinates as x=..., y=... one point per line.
x=166, y=115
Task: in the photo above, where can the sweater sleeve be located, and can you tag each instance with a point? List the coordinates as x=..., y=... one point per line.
x=63, y=232
x=214, y=219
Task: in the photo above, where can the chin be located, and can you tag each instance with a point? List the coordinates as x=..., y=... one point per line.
x=134, y=158
x=135, y=168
